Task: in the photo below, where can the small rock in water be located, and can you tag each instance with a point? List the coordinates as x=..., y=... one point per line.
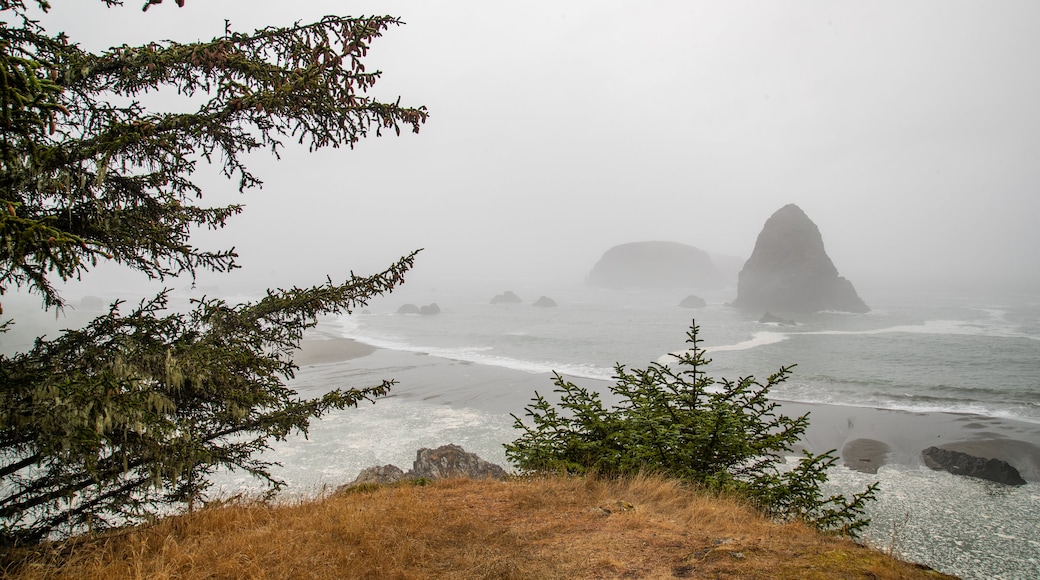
x=959, y=463
x=430, y=309
x=507, y=297
x=692, y=301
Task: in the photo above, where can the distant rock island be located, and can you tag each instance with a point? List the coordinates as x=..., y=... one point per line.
x=545, y=302
x=655, y=265
x=507, y=297
x=692, y=301
x=789, y=271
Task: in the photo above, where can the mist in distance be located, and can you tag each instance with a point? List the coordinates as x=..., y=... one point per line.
x=908, y=132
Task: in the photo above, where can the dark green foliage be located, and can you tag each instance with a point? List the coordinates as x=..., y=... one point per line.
x=108, y=423
x=89, y=174
x=723, y=436
x=128, y=416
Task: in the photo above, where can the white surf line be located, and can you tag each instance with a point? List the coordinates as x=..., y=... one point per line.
x=757, y=339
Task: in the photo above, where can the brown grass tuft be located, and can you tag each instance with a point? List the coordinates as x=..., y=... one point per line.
x=642, y=527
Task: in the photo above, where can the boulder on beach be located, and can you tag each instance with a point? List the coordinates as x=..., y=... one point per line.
x=789, y=270
x=655, y=265
x=544, y=302
x=960, y=463
x=408, y=309
x=430, y=309
x=692, y=301
x=507, y=297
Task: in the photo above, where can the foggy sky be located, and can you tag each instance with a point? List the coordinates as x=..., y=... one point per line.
x=909, y=132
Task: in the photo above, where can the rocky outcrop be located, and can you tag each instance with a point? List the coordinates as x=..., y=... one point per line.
x=507, y=297
x=963, y=464
x=655, y=265
x=451, y=461
x=692, y=301
x=379, y=474
x=430, y=309
x=408, y=309
x=789, y=271
x=770, y=318
x=545, y=302
x=444, y=462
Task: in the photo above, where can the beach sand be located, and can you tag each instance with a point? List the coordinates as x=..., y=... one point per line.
x=317, y=351
x=865, y=438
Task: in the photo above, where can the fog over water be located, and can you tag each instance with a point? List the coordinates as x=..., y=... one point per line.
x=908, y=133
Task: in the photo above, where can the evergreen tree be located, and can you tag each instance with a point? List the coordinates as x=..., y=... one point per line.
x=723, y=436
x=110, y=423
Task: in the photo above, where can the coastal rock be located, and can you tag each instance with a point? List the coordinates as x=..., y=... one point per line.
x=378, y=474
x=770, y=318
x=507, y=297
x=789, y=270
x=963, y=464
x=445, y=462
x=450, y=461
x=430, y=309
x=408, y=309
x=655, y=265
x=692, y=301
x=545, y=302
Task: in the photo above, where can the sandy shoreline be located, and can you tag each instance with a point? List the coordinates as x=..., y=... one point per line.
x=865, y=438
x=316, y=351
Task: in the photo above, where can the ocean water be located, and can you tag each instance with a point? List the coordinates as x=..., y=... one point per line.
x=916, y=352
x=464, y=371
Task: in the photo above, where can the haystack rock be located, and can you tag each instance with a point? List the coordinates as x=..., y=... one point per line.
x=655, y=265
x=789, y=271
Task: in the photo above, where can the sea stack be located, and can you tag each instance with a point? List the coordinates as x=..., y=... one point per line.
x=655, y=265
x=789, y=271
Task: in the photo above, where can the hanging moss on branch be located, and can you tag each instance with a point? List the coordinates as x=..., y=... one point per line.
x=115, y=422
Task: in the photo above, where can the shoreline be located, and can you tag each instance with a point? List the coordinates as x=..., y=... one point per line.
x=329, y=350
x=864, y=438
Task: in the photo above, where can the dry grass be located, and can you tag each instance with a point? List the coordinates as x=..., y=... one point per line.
x=538, y=528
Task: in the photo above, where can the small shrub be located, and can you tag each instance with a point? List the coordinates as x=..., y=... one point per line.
x=721, y=435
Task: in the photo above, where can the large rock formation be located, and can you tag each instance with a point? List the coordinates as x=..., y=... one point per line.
x=963, y=464
x=655, y=265
x=789, y=271
x=445, y=462
x=450, y=461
